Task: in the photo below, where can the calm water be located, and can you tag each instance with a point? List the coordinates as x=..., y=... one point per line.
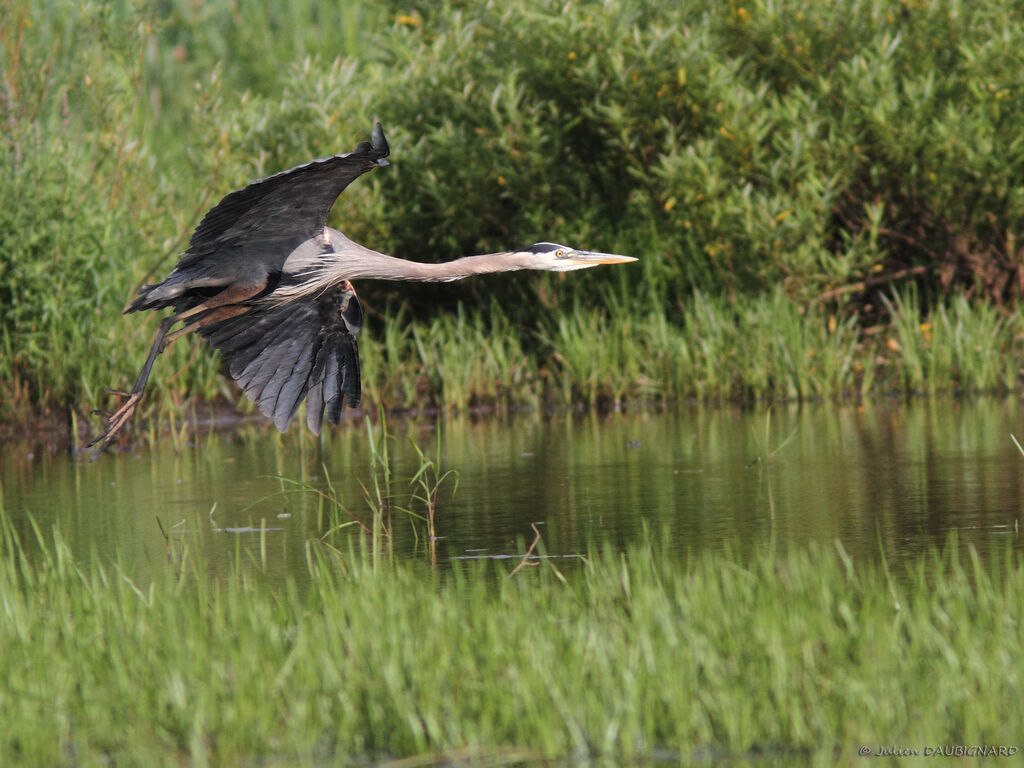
x=901, y=474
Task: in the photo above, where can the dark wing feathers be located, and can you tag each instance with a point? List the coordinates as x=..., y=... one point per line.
x=246, y=238
x=294, y=389
x=315, y=397
x=303, y=349
x=269, y=218
x=278, y=354
x=332, y=388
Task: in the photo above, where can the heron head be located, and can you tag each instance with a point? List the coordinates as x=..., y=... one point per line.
x=553, y=257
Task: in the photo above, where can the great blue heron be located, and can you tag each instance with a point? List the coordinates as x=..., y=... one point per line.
x=268, y=283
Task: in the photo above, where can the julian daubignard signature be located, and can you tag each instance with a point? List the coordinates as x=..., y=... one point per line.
x=940, y=750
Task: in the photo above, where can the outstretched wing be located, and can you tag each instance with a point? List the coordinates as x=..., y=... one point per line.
x=305, y=349
x=272, y=216
x=245, y=239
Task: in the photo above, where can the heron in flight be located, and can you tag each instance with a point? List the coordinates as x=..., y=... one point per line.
x=269, y=284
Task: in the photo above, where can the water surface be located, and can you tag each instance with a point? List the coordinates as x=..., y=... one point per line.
x=883, y=476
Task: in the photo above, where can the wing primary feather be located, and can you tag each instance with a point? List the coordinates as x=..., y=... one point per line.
x=332, y=375
x=352, y=386
x=315, y=395
x=293, y=390
x=336, y=403
x=282, y=366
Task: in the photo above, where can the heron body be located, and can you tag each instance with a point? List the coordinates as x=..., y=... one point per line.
x=269, y=284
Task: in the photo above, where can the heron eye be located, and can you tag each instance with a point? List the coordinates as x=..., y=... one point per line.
x=559, y=253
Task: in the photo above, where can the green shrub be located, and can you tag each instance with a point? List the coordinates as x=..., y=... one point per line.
x=813, y=156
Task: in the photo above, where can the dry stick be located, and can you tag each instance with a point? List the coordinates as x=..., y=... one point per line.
x=529, y=551
x=488, y=755
x=872, y=281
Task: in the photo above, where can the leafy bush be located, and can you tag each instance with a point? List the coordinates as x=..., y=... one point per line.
x=801, y=153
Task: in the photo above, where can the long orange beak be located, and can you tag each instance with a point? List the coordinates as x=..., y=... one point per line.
x=592, y=258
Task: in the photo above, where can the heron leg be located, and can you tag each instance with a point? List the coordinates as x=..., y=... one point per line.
x=213, y=316
x=120, y=417
x=219, y=307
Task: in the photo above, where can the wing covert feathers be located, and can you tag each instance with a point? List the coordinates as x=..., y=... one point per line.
x=263, y=222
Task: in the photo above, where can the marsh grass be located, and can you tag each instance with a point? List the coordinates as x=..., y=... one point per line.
x=806, y=653
x=789, y=180
x=766, y=348
x=970, y=348
x=426, y=485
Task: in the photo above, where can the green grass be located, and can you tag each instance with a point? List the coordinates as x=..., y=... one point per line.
x=824, y=201
x=718, y=350
x=617, y=658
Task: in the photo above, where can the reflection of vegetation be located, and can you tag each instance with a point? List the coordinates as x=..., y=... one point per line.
x=424, y=486
x=632, y=655
x=836, y=181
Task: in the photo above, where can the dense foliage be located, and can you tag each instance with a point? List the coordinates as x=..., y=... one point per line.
x=830, y=157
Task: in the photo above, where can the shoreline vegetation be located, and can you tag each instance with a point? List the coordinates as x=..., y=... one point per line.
x=768, y=350
x=614, y=657
x=826, y=202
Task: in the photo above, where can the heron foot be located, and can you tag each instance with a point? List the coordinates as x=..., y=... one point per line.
x=116, y=422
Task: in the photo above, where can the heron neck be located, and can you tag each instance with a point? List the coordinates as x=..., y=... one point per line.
x=379, y=266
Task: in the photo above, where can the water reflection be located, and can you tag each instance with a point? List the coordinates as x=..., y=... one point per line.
x=897, y=475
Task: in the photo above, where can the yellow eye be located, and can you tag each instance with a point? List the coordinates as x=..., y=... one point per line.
x=559, y=253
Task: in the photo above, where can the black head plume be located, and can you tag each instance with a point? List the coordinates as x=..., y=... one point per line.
x=542, y=248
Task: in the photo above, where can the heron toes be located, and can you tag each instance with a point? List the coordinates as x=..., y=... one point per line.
x=115, y=422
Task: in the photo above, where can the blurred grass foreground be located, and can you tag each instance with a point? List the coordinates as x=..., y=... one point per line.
x=826, y=200
x=626, y=658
